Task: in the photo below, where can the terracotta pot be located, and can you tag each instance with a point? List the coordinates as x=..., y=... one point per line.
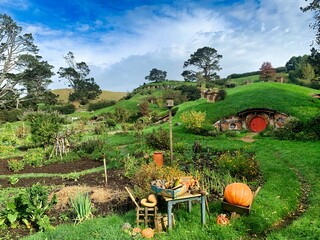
x=158, y=158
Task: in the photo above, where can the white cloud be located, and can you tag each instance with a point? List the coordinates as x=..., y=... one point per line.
x=245, y=34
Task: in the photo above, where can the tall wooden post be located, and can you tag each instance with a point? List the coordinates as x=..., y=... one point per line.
x=170, y=136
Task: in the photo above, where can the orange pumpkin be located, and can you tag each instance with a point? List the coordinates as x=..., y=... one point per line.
x=222, y=219
x=238, y=194
x=147, y=233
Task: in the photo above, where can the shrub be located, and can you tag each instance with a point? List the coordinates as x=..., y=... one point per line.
x=121, y=114
x=64, y=109
x=191, y=92
x=34, y=157
x=314, y=126
x=158, y=139
x=93, y=149
x=32, y=207
x=193, y=120
x=111, y=123
x=44, y=126
x=101, y=104
x=6, y=149
x=15, y=165
x=11, y=115
x=240, y=165
x=8, y=137
x=100, y=128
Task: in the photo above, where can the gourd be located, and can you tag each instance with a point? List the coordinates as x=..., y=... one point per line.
x=238, y=194
x=222, y=219
x=150, y=202
x=147, y=233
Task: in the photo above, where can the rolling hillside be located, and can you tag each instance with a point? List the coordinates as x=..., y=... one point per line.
x=105, y=95
x=287, y=98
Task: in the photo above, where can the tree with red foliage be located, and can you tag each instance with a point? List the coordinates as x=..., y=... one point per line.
x=267, y=72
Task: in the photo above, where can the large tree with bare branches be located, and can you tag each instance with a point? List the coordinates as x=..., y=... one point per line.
x=13, y=45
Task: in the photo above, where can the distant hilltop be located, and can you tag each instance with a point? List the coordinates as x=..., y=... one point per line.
x=105, y=95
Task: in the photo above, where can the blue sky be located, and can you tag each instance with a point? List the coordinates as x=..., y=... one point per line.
x=122, y=40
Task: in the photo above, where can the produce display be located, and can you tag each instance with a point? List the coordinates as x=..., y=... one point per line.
x=238, y=194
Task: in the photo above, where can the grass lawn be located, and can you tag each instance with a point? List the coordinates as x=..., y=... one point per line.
x=281, y=163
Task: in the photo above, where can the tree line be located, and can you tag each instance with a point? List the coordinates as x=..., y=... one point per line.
x=25, y=76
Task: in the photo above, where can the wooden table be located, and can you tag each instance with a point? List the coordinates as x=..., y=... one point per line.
x=187, y=197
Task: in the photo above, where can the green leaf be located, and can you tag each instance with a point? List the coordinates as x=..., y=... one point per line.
x=12, y=217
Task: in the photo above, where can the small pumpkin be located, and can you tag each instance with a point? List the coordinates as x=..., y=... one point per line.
x=238, y=194
x=222, y=219
x=136, y=231
x=147, y=233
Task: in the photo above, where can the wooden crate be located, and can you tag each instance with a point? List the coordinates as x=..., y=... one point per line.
x=169, y=192
x=236, y=208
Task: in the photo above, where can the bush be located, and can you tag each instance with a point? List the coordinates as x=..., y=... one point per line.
x=44, y=126
x=8, y=137
x=101, y=104
x=33, y=205
x=11, y=115
x=93, y=149
x=64, y=109
x=158, y=139
x=15, y=165
x=34, y=157
x=193, y=120
x=314, y=126
x=240, y=165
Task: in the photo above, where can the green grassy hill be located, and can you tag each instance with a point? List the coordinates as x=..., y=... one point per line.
x=287, y=98
x=105, y=95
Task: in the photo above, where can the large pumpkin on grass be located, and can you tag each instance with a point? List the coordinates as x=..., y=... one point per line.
x=238, y=194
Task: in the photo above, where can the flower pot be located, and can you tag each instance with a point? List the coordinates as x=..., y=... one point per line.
x=158, y=158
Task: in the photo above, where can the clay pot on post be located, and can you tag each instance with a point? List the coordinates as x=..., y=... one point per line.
x=158, y=158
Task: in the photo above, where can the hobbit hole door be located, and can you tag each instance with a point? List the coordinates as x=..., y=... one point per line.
x=258, y=124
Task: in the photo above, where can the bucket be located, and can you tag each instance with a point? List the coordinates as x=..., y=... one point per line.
x=158, y=158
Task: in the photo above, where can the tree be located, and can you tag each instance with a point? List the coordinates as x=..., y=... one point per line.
x=307, y=72
x=267, y=72
x=156, y=75
x=13, y=45
x=294, y=67
x=85, y=89
x=189, y=76
x=35, y=78
x=314, y=5
x=192, y=93
x=206, y=59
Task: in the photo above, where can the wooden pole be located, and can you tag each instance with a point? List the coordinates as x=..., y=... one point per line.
x=170, y=136
x=105, y=169
x=132, y=198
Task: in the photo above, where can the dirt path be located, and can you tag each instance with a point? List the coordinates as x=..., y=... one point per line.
x=249, y=137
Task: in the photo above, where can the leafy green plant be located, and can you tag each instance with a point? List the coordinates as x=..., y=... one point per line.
x=158, y=139
x=193, y=120
x=44, y=126
x=239, y=164
x=9, y=215
x=16, y=165
x=34, y=157
x=29, y=207
x=82, y=206
x=13, y=180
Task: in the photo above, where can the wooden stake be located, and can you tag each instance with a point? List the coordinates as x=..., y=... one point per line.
x=105, y=169
x=132, y=198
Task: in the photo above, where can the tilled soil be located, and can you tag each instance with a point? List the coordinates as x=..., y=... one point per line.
x=105, y=198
